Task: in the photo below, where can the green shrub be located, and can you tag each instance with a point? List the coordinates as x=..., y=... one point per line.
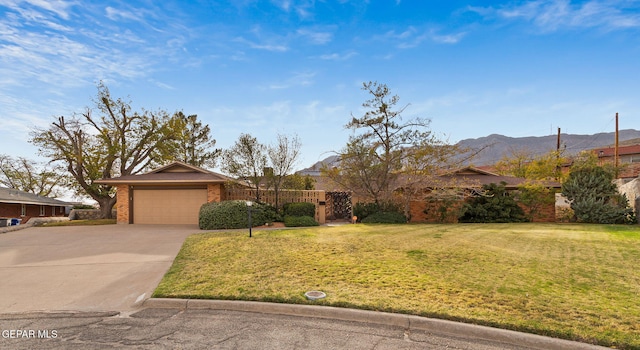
x=83, y=206
x=300, y=209
x=268, y=212
x=233, y=214
x=363, y=210
x=299, y=221
x=385, y=217
x=495, y=205
x=595, y=198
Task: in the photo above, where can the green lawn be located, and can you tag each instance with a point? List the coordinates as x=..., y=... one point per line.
x=579, y=282
x=81, y=222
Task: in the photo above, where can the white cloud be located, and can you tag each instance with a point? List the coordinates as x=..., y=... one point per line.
x=317, y=37
x=298, y=79
x=338, y=57
x=49, y=42
x=59, y=7
x=263, y=46
x=413, y=37
x=116, y=14
x=553, y=15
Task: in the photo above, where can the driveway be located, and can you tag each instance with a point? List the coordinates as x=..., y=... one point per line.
x=85, y=268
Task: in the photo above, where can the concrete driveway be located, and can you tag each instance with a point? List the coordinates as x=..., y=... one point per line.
x=85, y=268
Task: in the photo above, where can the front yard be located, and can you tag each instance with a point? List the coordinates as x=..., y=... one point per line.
x=579, y=282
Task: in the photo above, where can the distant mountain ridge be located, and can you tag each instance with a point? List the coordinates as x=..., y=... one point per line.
x=498, y=146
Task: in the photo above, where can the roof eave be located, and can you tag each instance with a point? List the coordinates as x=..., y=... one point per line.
x=157, y=182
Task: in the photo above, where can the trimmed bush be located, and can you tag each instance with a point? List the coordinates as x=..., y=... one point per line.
x=300, y=209
x=299, y=221
x=232, y=214
x=363, y=210
x=385, y=218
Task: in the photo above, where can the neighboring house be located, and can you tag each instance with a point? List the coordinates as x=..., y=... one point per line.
x=467, y=182
x=441, y=201
x=24, y=205
x=628, y=158
x=172, y=194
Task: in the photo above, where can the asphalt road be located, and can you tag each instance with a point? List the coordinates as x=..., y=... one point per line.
x=216, y=329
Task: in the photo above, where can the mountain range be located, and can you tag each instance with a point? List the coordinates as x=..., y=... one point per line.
x=495, y=147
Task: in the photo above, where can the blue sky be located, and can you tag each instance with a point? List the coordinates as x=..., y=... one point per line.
x=517, y=68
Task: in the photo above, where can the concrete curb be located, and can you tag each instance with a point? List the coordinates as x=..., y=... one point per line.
x=409, y=322
x=16, y=227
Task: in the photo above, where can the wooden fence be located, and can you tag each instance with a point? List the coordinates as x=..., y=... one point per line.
x=286, y=196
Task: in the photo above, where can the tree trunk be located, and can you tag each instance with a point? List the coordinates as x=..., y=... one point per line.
x=106, y=207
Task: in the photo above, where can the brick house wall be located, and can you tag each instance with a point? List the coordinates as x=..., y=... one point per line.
x=14, y=210
x=436, y=211
x=122, y=204
x=215, y=193
x=440, y=211
x=545, y=213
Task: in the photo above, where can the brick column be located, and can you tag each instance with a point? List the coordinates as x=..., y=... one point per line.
x=122, y=204
x=214, y=193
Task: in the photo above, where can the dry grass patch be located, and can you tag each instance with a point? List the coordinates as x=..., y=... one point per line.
x=81, y=222
x=578, y=282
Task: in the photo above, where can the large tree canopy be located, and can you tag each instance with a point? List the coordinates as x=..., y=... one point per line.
x=30, y=176
x=106, y=141
x=192, y=143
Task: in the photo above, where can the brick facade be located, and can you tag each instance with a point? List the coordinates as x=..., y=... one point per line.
x=215, y=193
x=436, y=211
x=122, y=204
x=441, y=211
x=12, y=210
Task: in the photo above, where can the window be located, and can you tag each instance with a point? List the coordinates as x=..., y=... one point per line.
x=23, y=210
x=42, y=210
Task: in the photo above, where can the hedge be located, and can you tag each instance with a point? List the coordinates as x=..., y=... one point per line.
x=233, y=214
x=300, y=209
x=363, y=210
x=385, y=218
x=299, y=221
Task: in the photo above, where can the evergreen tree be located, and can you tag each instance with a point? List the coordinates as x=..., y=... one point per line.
x=595, y=198
x=495, y=205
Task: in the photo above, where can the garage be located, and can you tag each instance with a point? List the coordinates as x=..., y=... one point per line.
x=167, y=206
x=170, y=195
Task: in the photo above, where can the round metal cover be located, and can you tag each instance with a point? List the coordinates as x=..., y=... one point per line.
x=314, y=295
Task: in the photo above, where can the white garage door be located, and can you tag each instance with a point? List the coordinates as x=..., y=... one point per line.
x=167, y=206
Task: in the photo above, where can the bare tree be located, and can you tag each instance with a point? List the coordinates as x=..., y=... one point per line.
x=283, y=156
x=246, y=160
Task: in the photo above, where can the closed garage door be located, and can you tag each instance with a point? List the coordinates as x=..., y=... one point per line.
x=167, y=206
